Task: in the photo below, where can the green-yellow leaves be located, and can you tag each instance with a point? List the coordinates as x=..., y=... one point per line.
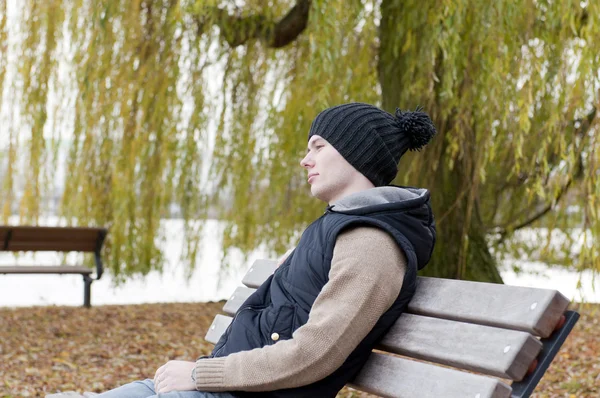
x=163, y=117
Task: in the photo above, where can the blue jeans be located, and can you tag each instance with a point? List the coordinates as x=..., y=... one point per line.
x=145, y=389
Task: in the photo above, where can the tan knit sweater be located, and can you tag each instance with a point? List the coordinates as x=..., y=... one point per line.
x=365, y=278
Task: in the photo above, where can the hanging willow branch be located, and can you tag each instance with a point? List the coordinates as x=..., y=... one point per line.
x=581, y=132
x=237, y=30
x=167, y=113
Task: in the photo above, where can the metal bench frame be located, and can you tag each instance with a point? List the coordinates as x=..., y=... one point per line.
x=550, y=347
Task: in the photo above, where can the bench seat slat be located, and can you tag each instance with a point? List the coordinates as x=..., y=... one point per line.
x=535, y=311
x=493, y=351
x=45, y=269
x=390, y=376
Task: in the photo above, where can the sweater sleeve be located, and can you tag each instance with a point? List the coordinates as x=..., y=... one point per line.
x=366, y=276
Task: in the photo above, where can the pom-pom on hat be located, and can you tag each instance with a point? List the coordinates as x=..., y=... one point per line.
x=373, y=140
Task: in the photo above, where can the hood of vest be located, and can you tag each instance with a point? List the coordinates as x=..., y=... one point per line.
x=411, y=207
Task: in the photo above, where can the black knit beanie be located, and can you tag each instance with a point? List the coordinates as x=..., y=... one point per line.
x=373, y=140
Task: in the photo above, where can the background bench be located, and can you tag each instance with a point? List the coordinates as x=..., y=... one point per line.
x=502, y=331
x=59, y=239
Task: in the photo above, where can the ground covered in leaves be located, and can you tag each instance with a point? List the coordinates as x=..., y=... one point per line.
x=51, y=349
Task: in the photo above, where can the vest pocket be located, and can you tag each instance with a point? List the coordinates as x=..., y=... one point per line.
x=284, y=323
x=241, y=334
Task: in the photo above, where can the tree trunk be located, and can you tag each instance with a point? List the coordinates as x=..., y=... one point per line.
x=461, y=250
x=460, y=253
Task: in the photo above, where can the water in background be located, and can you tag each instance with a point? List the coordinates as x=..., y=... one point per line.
x=208, y=282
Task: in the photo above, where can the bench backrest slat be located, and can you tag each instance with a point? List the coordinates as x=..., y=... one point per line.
x=489, y=350
x=487, y=328
x=259, y=272
x=63, y=239
x=532, y=310
x=380, y=375
x=536, y=311
x=493, y=351
x=217, y=328
x=464, y=345
x=236, y=300
x=389, y=376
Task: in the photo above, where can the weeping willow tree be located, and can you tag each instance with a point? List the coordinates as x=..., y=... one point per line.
x=204, y=104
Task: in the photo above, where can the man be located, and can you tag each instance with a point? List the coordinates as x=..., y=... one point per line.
x=310, y=327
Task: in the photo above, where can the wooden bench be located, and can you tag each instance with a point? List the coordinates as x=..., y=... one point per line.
x=502, y=331
x=59, y=239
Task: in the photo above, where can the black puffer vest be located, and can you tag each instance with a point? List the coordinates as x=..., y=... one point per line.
x=283, y=302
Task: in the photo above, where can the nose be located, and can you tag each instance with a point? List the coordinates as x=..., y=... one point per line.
x=307, y=161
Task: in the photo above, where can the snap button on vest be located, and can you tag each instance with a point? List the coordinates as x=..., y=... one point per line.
x=275, y=336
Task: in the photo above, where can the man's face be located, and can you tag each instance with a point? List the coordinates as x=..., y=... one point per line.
x=330, y=176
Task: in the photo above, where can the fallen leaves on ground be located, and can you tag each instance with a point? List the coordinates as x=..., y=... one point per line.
x=49, y=349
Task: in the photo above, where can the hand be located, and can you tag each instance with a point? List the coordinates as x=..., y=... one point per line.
x=284, y=257
x=174, y=376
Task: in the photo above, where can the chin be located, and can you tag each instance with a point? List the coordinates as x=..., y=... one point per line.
x=319, y=194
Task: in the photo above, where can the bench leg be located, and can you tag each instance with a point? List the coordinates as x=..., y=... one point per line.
x=87, y=287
